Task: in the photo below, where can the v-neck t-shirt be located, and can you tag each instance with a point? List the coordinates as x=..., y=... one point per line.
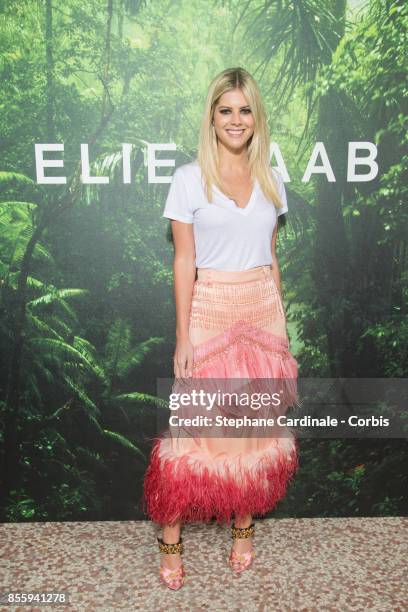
x=226, y=236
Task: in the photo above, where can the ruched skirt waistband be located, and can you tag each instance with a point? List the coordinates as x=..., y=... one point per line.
x=239, y=276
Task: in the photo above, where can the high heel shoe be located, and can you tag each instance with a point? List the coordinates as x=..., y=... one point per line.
x=172, y=578
x=241, y=561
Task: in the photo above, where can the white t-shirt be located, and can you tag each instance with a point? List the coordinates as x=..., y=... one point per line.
x=226, y=237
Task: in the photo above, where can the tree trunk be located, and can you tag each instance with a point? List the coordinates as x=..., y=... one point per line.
x=50, y=103
x=107, y=57
x=330, y=259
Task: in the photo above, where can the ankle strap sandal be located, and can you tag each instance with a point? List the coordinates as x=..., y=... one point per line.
x=172, y=578
x=241, y=561
x=171, y=549
x=241, y=533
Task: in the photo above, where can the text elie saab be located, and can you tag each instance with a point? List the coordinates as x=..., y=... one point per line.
x=360, y=153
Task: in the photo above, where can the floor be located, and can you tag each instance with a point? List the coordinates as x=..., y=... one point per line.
x=301, y=564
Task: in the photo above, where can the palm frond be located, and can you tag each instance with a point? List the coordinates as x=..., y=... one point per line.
x=91, y=456
x=64, y=445
x=89, y=355
x=136, y=356
x=43, y=327
x=54, y=349
x=39, y=284
x=15, y=177
x=136, y=397
x=118, y=342
x=301, y=36
x=80, y=393
x=48, y=375
x=59, y=324
x=33, y=386
x=120, y=439
x=94, y=421
x=12, y=211
x=42, y=253
x=56, y=296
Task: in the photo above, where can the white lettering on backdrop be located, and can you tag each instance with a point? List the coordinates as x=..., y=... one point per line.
x=152, y=163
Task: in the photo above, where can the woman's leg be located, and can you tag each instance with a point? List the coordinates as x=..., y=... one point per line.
x=171, y=535
x=242, y=545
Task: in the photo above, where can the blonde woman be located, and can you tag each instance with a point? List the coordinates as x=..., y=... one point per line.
x=230, y=323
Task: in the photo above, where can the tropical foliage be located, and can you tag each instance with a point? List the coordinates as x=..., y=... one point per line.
x=87, y=326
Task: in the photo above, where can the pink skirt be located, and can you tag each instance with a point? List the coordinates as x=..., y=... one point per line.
x=238, y=330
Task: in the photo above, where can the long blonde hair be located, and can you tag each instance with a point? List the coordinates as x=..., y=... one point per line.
x=259, y=144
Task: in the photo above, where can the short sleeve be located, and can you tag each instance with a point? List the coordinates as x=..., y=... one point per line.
x=282, y=194
x=178, y=204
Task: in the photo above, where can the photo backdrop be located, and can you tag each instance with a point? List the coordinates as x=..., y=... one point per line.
x=111, y=88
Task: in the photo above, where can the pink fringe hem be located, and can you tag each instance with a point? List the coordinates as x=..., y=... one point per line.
x=175, y=490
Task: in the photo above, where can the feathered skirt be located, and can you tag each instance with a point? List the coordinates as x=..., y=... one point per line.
x=238, y=330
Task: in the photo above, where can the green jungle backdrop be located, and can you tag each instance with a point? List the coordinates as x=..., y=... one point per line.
x=87, y=313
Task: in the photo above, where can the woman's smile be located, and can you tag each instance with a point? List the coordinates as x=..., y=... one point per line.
x=235, y=133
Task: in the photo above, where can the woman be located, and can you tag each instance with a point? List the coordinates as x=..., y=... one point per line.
x=230, y=323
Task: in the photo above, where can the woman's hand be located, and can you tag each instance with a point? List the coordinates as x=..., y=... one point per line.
x=183, y=358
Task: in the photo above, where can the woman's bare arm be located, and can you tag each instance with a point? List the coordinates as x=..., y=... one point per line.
x=275, y=264
x=184, y=271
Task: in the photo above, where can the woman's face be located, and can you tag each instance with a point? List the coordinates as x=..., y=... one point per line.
x=233, y=120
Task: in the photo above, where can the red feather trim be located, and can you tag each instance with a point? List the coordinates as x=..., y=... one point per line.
x=175, y=490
